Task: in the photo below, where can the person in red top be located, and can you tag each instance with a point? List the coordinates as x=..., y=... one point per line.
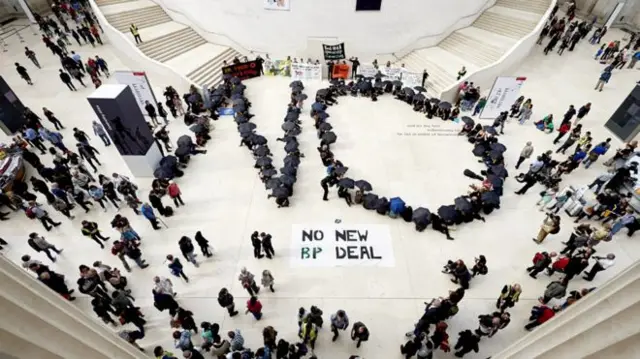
x=559, y=265
x=539, y=315
x=96, y=33
x=174, y=193
x=563, y=130
x=255, y=307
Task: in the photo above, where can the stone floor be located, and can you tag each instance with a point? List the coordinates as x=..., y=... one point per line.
x=227, y=202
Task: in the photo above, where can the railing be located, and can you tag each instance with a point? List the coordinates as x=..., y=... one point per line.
x=8, y=31
x=432, y=39
x=485, y=76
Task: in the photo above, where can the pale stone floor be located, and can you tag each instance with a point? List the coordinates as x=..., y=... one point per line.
x=226, y=200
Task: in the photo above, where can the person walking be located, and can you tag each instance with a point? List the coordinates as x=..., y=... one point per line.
x=254, y=307
x=359, y=333
x=225, y=299
x=99, y=131
x=151, y=112
x=267, y=246
x=188, y=250
x=541, y=261
x=605, y=76
x=257, y=245
x=23, y=73
x=88, y=153
x=602, y=263
x=91, y=230
x=203, y=243
x=32, y=56
x=176, y=267
x=550, y=225
x=149, y=214
x=509, y=296
x=174, y=192
x=267, y=280
x=52, y=118
x=526, y=153
x=339, y=321
x=34, y=211
x=134, y=31
x=583, y=111
x=565, y=127
x=39, y=244
x=163, y=113
x=102, y=65
x=66, y=79
x=248, y=282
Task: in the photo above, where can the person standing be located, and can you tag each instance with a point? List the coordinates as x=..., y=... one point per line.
x=148, y=213
x=134, y=31
x=39, y=244
x=605, y=76
x=583, y=111
x=248, y=282
x=425, y=76
x=99, y=131
x=254, y=307
x=267, y=246
x=359, y=333
x=66, y=79
x=188, y=250
x=526, y=152
x=565, y=127
x=163, y=286
x=174, y=192
x=541, y=261
x=354, y=67
x=23, y=73
x=176, y=267
x=203, y=243
x=151, y=112
x=339, y=321
x=550, y=225
x=91, y=230
x=467, y=342
x=509, y=296
x=34, y=211
x=32, y=56
x=257, y=245
x=225, y=299
x=602, y=263
x=268, y=280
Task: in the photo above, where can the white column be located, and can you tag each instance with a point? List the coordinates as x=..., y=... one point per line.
x=36, y=322
x=27, y=11
x=604, y=324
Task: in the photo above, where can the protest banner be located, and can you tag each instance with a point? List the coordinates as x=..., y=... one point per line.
x=411, y=79
x=300, y=71
x=333, y=52
x=243, y=70
x=340, y=71
x=332, y=245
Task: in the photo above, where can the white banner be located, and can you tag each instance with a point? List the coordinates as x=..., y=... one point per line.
x=392, y=73
x=335, y=245
x=367, y=70
x=504, y=93
x=411, y=79
x=139, y=85
x=300, y=71
x=277, y=5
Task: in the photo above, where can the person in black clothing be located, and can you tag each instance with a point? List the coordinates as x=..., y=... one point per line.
x=326, y=182
x=583, y=111
x=203, y=243
x=41, y=186
x=151, y=111
x=156, y=202
x=32, y=56
x=102, y=308
x=529, y=181
x=257, y=245
x=23, y=73
x=354, y=66
x=267, y=245
x=80, y=136
x=467, y=342
x=330, y=69
x=225, y=299
x=359, y=333
x=569, y=114
x=66, y=79
x=425, y=75
x=52, y=118
x=260, y=62
x=88, y=153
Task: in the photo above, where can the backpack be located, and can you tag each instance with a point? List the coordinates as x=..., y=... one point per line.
x=173, y=190
x=538, y=257
x=168, y=211
x=30, y=213
x=33, y=245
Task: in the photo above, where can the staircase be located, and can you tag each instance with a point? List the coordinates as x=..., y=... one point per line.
x=165, y=40
x=477, y=46
x=209, y=74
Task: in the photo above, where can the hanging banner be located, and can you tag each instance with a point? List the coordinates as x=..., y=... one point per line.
x=300, y=71
x=283, y=5
x=340, y=71
x=333, y=52
x=139, y=85
x=243, y=70
x=341, y=245
x=504, y=93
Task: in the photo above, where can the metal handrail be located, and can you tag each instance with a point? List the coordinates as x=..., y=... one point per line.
x=481, y=9
x=201, y=28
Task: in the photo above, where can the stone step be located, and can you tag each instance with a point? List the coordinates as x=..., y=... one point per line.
x=535, y=6
x=504, y=25
x=210, y=73
x=477, y=52
x=145, y=17
x=110, y=2
x=169, y=46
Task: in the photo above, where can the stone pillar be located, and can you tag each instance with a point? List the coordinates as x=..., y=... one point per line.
x=601, y=325
x=38, y=323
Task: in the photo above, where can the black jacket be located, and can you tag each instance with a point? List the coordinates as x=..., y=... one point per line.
x=225, y=300
x=186, y=246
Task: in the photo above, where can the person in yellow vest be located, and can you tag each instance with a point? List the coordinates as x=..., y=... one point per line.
x=509, y=296
x=134, y=31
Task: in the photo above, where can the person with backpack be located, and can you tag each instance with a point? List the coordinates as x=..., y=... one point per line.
x=39, y=244
x=509, y=296
x=34, y=211
x=174, y=193
x=176, y=267
x=91, y=230
x=541, y=261
x=188, y=250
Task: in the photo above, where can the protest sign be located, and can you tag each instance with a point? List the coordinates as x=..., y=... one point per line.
x=243, y=70
x=340, y=71
x=333, y=52
x=300, y=71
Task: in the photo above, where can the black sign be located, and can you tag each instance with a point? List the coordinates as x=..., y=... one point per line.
x=625, y=122
x=334, y=52
x=243, y=70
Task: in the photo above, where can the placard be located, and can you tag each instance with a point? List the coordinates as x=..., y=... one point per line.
x=504, y=93
x=411, y=79
x=340, y=71
x=341, y=245
x=391, y=73
x=300, y=71
x=139, y=85
x=283, y=5
x=333, y=52
x=243, y=70
x=367, y=70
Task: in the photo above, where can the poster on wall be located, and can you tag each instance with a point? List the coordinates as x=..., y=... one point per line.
x=243, y=70
x=341, y=245
x=503, y=94
x=139, y=85
x=333, y=52
x=283, y=5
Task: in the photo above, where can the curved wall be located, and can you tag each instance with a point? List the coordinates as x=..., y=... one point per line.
x=399, y=23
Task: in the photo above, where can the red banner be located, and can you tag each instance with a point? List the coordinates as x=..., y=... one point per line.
x=340, y=71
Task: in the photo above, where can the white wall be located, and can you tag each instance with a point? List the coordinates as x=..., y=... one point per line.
x=366, y=34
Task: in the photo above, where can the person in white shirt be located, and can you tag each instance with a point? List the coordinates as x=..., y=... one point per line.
x=602, y=263
x=164, y=286
x=601, y=181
